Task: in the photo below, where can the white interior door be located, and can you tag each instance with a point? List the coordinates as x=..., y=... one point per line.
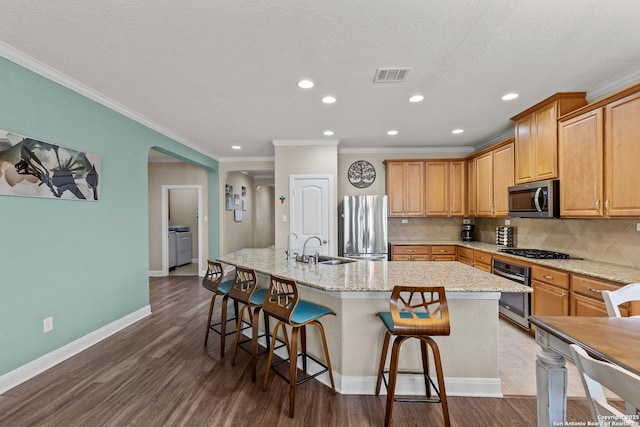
x=312, y=212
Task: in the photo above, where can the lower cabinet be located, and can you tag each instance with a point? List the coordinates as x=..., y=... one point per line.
x=586, y=297
x=550, y=292
x=443, y=253
x=410, y=253
x=482, y=260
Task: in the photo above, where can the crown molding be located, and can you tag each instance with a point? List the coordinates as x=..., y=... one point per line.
x=613, y=86
x=22, y=59
x=245, y=159
x=509, y=133
x=279, y=142
x=386, y=150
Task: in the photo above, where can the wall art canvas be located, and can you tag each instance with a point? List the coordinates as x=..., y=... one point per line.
x=33, y=168
x=228, y=201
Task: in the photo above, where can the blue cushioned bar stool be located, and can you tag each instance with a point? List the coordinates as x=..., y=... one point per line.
x=284, y=304
x=245, y=291
x=415, y=312
x=213, y=281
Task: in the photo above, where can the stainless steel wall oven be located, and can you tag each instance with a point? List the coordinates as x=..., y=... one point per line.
x=515, y=306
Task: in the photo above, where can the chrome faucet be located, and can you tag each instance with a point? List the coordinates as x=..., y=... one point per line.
x=288, y=251
x=305, y=258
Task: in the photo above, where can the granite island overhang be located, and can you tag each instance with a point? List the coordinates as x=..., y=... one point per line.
x=359, y=289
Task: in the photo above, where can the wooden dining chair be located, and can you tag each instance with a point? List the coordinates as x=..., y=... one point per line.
x=594, y=375
x=612, y=299
x=415, y=312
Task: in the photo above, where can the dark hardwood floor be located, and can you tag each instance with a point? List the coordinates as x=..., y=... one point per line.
x=157, y=373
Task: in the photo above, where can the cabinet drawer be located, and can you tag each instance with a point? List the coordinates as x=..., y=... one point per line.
x=591, y=287
x=437, y=257
x=410, y=250
x=548, y=275
x=465, y=252
x=482, y=258
x=410, y=258
x=482, y=266
x=465, y=260
x=443, y=250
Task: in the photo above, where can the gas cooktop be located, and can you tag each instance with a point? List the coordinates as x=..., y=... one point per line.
x=535, y=253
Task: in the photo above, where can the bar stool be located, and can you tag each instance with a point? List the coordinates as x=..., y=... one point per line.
x=416, y=312
x=284, y=304
x=245, y=291
x=213, y=281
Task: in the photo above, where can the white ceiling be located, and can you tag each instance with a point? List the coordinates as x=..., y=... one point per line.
x=212, y=73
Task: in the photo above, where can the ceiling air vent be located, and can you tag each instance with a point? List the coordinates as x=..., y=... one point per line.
x=390, y=75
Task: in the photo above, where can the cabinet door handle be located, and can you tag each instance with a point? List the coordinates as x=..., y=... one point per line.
x=606, y=206
x=443, y=250
x=563, y=294
x=411, y=250
x=547, y=277
x=597, y=291
x=598, y=205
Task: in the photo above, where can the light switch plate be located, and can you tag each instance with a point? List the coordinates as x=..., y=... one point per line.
x=47, y=324
x=638, y=226
x=507, y=222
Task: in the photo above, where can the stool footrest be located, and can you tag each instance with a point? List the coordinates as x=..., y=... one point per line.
x=246, y=340
x=308, y=375
x=217, y=331
x=427, y=377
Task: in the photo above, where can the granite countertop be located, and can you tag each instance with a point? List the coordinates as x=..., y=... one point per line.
x=600, y=270
x=362, y=275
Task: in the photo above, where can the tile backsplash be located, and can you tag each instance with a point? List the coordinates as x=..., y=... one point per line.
x=614, y=241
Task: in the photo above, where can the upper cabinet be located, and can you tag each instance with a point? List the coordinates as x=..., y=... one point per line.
x=536, y=132
x=405, y=187
x=445, y=188
x=598, y=157
x=494, y=175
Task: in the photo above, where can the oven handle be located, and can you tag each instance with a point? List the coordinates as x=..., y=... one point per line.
x=514, y=277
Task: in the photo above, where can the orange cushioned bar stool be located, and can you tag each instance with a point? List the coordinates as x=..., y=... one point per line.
x=416, y=312
x=245, y=290
x=213, y=281
x=284, y=304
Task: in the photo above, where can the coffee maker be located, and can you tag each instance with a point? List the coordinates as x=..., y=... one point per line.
x=468, y=233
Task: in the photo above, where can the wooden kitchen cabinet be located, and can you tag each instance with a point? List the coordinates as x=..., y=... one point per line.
x=405, y=188
x=586, y=297
x=445, y=188
x=465, y=255
x=482, y=260
x=443, y=253
x=494, y=176
x=536, y=140
x=598, y=157
x=410, y=253
x=550, y=292
x=471, y=187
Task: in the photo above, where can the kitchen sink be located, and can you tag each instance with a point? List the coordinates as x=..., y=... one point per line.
x=333, y=261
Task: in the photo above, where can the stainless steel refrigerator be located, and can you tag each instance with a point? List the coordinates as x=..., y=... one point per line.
x=362, y=227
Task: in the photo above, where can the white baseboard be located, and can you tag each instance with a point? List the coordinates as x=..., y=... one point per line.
x=49, y=360
x=155, y=273
x=406, y=384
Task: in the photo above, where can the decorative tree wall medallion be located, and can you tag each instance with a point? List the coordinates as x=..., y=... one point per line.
x=361, y=174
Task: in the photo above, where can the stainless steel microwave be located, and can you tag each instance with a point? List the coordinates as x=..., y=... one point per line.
x=535, y=200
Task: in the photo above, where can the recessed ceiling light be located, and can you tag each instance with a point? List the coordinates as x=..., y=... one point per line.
x=236, y=147
x=392, y=132
x=328, y=132
x=305, y=84
x=510, y=96
x=328, y=100
x=457, y=131
x=416, y=98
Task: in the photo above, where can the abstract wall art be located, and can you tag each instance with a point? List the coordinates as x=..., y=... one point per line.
x=33, y=168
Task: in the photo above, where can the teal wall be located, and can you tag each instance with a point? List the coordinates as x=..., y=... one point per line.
x=84, y=263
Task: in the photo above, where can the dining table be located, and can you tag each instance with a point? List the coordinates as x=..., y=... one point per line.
x=612, y=339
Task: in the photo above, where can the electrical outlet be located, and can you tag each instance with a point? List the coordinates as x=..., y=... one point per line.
x=284, y=218
x=405, y=221
x=47, y=324
x=507, y=222
x=466, y=221
x=638, y=226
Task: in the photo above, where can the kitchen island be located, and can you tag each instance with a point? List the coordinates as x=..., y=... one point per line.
x=357, y=290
